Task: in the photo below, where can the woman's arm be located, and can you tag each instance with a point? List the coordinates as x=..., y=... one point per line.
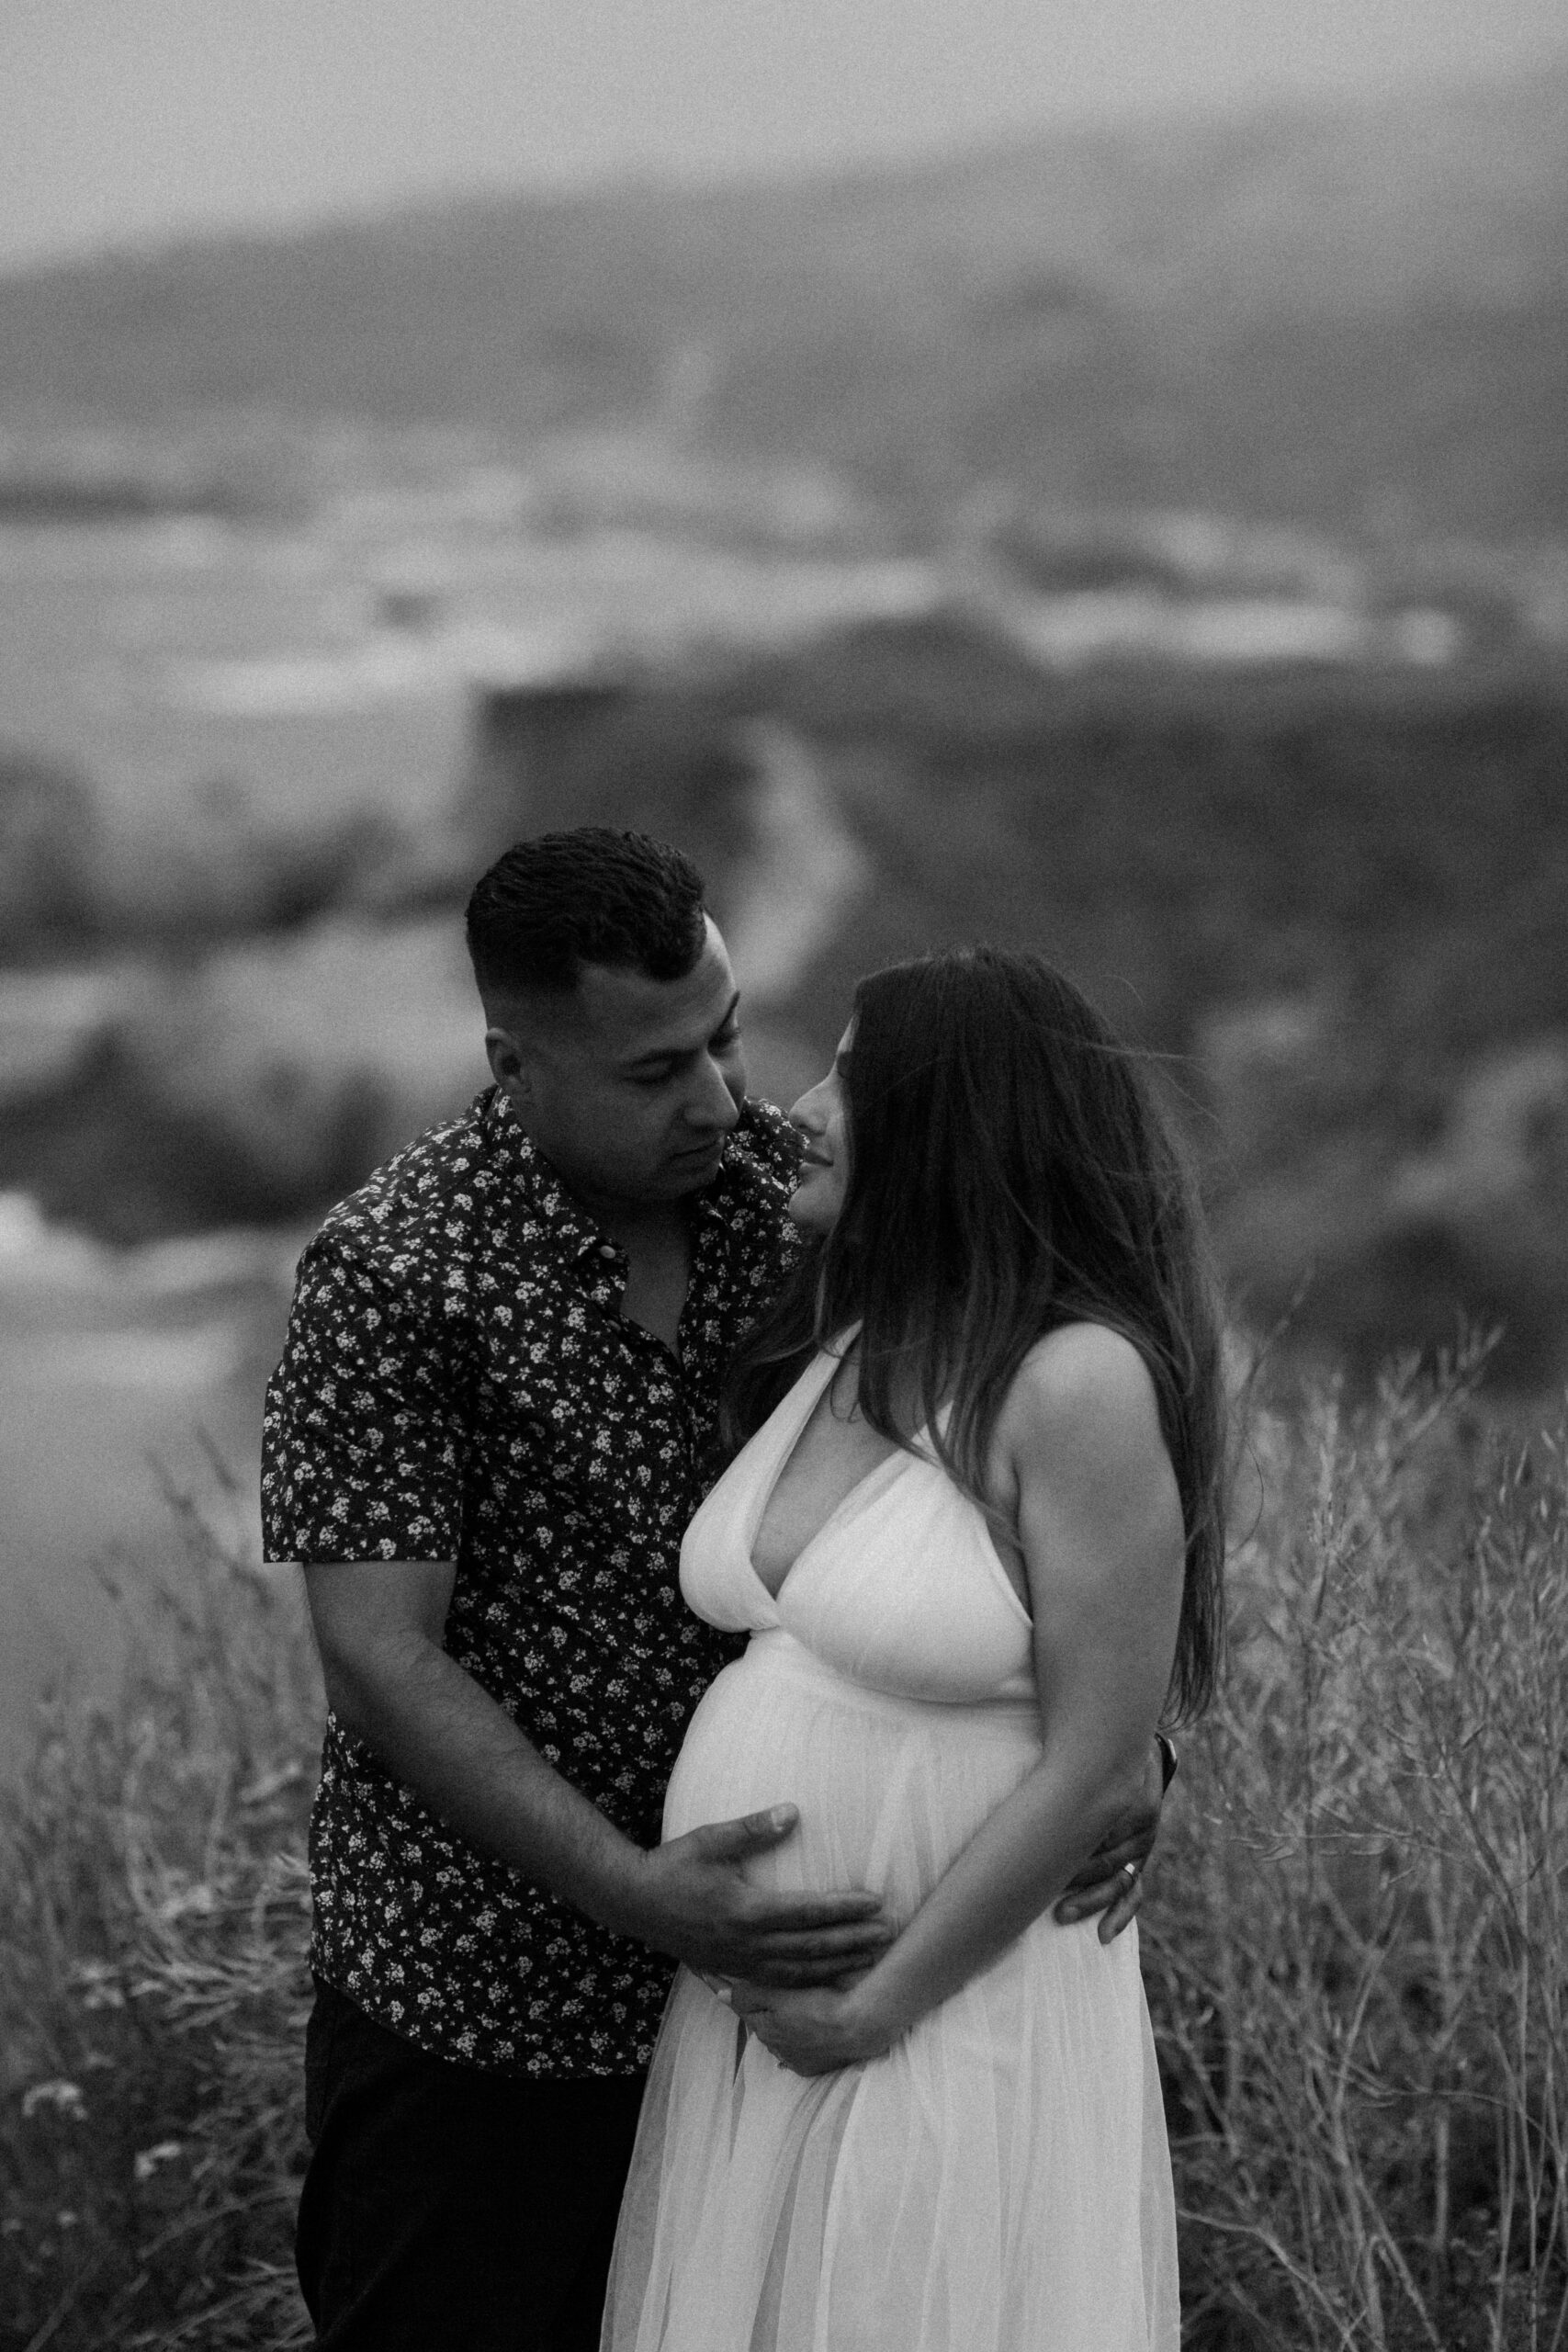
x=1080, y=1459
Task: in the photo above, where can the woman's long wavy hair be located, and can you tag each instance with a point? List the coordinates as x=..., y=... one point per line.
x=1010, y=1171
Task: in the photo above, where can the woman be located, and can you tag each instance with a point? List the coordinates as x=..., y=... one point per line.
x=974, y=1534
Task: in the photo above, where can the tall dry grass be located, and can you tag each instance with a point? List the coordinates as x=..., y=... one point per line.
x=153, y=1912
x=1355, y=1945
x=1358, y=1953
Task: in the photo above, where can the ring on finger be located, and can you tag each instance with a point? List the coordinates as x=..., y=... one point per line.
x=1129, y=1870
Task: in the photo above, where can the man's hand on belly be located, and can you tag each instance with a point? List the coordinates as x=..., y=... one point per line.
x=378, y=1626
x=692, y=1897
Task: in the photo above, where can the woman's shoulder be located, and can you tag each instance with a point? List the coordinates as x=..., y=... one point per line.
x=1083, y=1390
x=1079, y=1439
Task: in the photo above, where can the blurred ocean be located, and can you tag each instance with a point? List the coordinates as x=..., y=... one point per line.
x=123, y=1373
x=332, y=665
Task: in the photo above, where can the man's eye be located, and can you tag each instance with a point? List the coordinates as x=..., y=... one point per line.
x=725, y=1037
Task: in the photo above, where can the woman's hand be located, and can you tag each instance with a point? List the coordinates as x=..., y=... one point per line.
x=1111, y=1881
x=815, y=2031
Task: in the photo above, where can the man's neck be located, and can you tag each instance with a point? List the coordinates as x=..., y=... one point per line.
x=640, y=1226
x=636, y=1225
x=657, y=1241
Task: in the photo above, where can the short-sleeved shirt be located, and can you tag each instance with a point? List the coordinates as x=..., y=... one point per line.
x=458, y=1383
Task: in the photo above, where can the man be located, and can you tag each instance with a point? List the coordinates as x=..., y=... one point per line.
x=494, y=1415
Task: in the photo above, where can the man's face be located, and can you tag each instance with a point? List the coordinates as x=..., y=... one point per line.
x=628, y=1086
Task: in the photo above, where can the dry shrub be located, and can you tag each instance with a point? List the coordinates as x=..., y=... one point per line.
x=1358, y=1953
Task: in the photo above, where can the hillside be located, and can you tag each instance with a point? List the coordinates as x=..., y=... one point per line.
x=1355, y=314
x=1332, y=905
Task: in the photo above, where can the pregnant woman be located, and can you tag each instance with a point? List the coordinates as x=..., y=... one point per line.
x=974, y=1533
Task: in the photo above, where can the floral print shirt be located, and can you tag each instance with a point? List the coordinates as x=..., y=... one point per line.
x=458, y=1383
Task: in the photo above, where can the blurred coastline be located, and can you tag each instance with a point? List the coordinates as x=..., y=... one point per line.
x=1150, y=544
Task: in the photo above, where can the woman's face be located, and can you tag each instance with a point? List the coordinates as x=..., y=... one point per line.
x=822, y=1117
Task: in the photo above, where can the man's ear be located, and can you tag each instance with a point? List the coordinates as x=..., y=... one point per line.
x=507, y=1067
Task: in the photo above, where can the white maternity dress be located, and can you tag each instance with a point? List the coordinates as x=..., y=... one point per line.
x=999, y=2182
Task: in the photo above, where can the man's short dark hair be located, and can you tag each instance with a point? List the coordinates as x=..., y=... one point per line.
x=550, y=905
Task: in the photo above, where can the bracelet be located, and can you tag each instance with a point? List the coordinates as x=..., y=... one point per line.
x=1168, y=1759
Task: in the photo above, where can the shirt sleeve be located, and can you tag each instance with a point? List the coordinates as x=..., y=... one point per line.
x=362, y=1452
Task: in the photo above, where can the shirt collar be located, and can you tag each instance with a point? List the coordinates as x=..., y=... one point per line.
x=543, y=1198
x=572, y=1227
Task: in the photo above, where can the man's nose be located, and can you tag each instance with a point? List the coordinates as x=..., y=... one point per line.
x=712, y=1106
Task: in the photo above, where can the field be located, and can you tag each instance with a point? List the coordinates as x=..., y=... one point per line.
x=1352, y=1947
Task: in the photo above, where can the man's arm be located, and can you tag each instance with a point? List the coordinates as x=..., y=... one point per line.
x=378, y=1626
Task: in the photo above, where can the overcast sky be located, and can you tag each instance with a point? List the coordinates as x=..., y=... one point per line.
x=124, y=121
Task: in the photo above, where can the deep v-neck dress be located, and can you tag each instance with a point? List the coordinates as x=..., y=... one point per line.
x=999, y=2182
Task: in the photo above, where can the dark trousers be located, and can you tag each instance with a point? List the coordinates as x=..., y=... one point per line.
x=448, y=2210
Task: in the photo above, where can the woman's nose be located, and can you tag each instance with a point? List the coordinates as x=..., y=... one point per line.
x=806, y=1112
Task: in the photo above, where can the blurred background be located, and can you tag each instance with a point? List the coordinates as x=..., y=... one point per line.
x=1096, y=477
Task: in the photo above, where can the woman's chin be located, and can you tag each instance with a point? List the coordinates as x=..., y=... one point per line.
x=812, y=1216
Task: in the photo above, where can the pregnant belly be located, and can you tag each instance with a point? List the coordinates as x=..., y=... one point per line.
x=888, y=1790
